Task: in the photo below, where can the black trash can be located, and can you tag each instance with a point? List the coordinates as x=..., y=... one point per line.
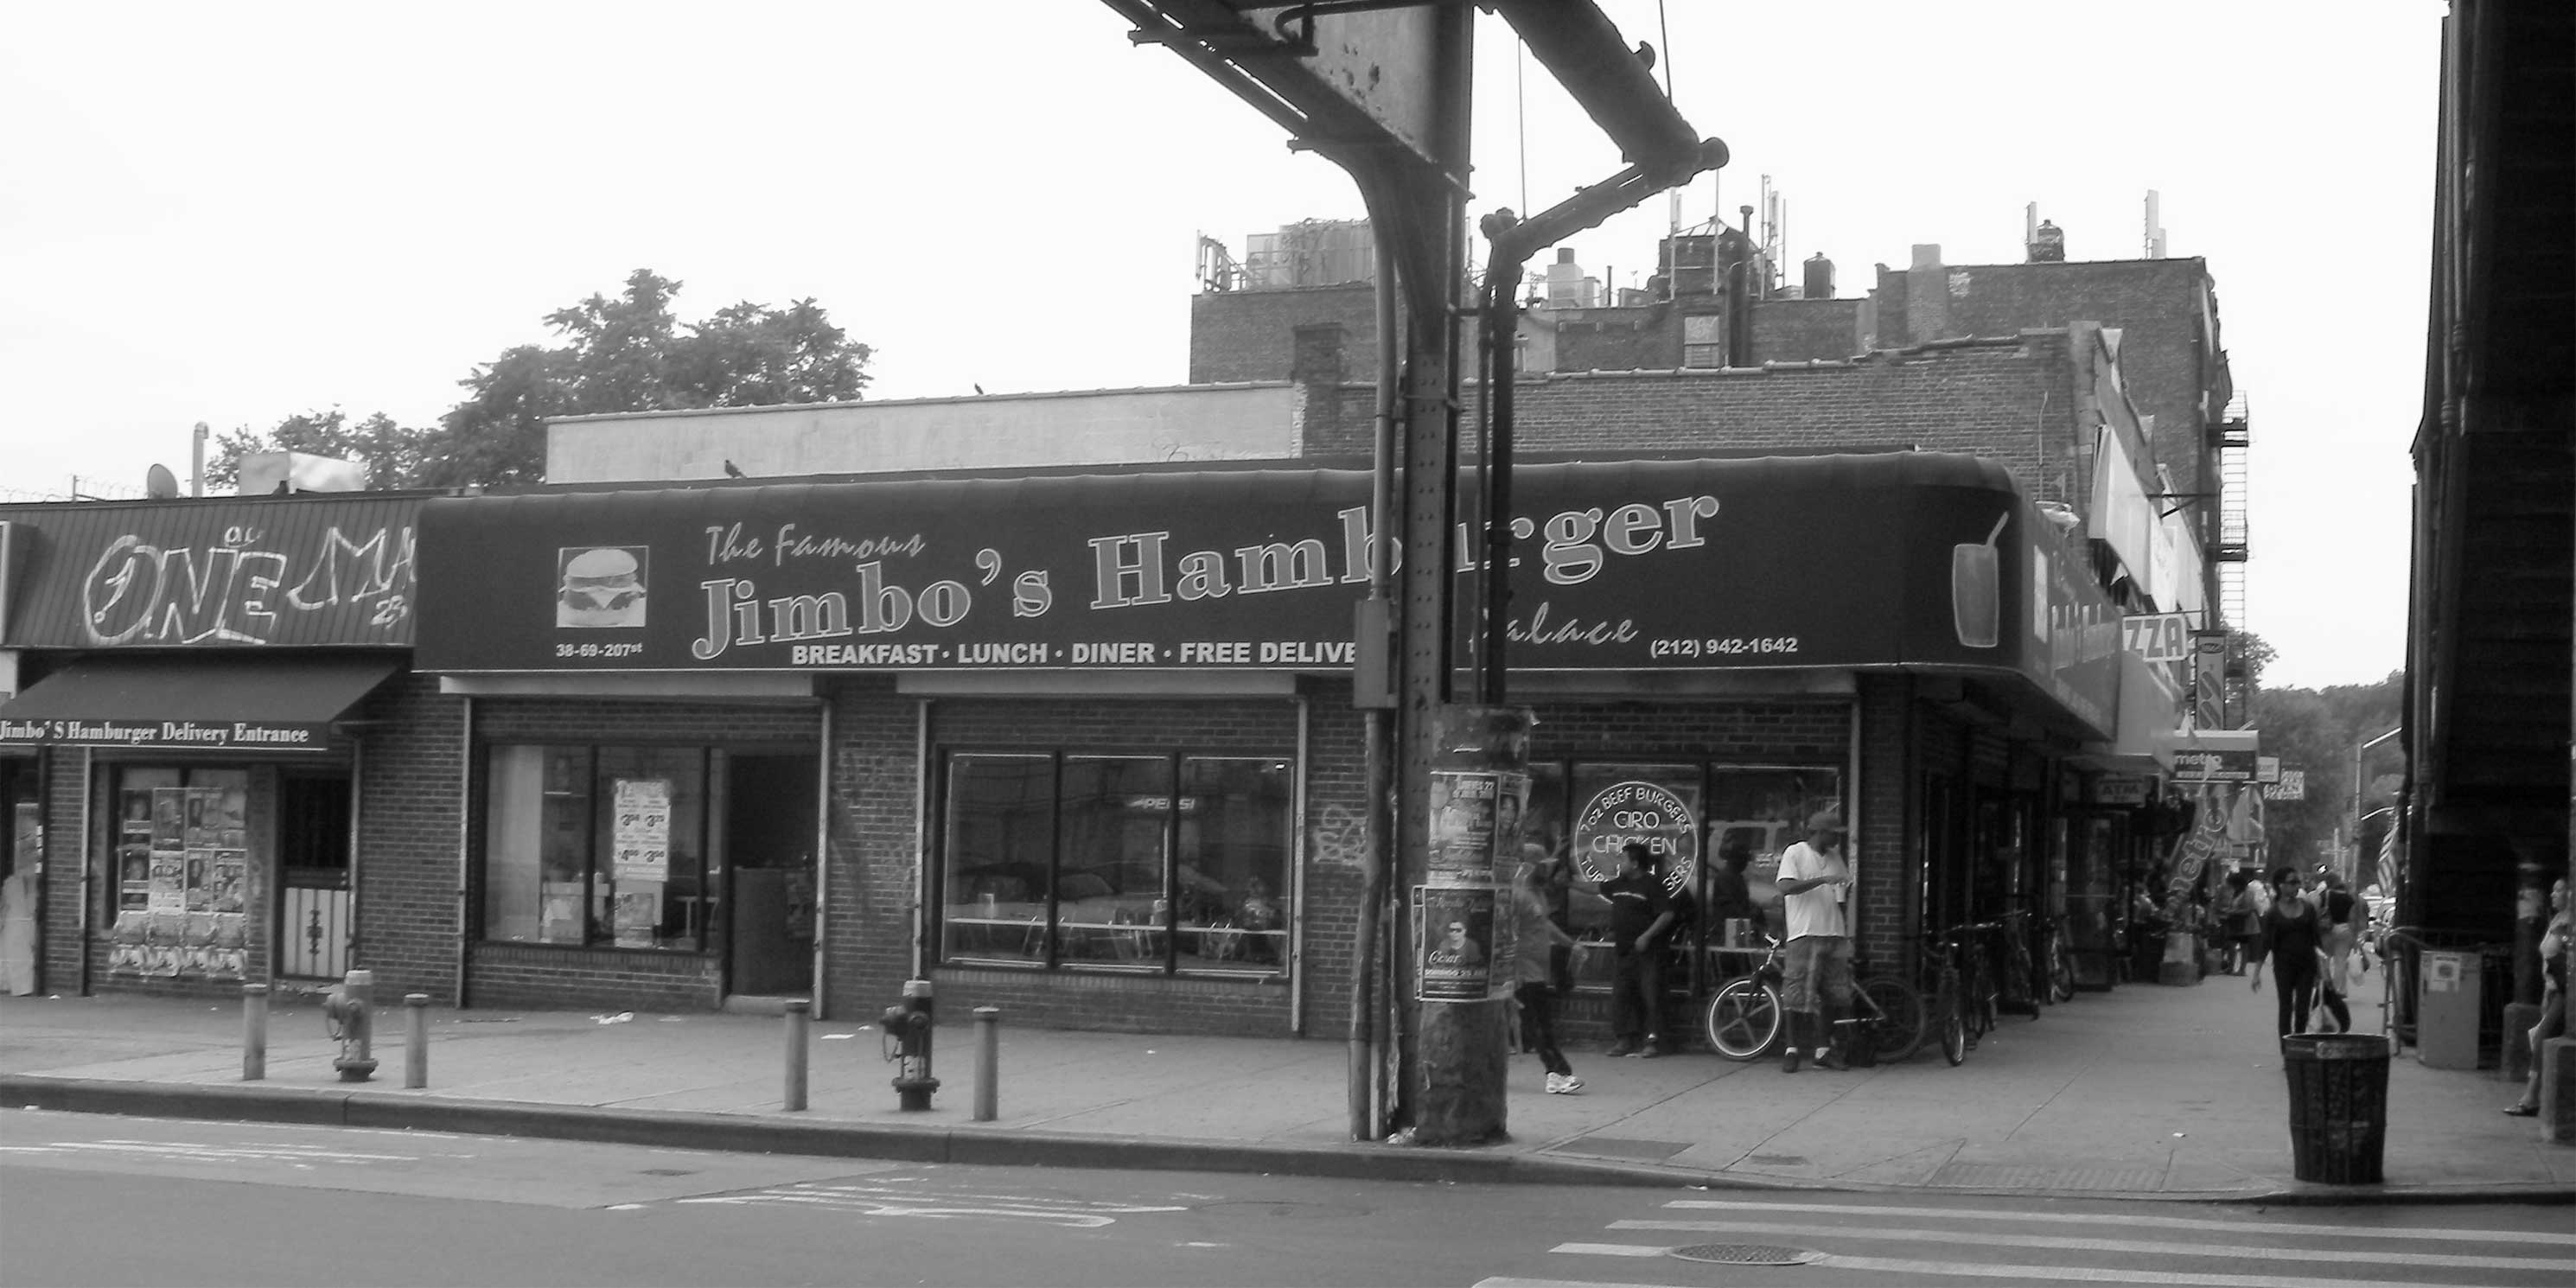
x=2338, y=1106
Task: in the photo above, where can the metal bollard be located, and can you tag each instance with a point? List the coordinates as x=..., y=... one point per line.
x=254, y=1032
x=416, y=1039
x=797, y=1010
x=988, y=1063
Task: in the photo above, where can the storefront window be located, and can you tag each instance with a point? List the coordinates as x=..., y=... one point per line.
x=1121, y=863
x=1746, y=812
x=181, y=872
x=602, y=846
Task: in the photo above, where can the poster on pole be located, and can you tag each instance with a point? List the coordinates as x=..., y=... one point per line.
x=1475, y=831
x=1462, y=936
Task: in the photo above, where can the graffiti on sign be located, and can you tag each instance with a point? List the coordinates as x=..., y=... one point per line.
x=238, y=589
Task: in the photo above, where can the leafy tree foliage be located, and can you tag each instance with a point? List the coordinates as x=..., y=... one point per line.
x=2316, y=730
x=624, y=353
x=391, y=453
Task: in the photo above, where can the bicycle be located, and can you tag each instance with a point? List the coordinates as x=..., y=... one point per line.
x=1744, y=1019
x=2020, y=978
x=1947, y=1015
x=2058, y=959
x=1977, y=980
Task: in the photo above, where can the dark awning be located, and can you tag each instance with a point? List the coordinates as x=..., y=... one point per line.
x=198, y=703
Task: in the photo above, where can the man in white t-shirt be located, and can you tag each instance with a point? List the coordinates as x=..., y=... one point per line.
x=1815, y=987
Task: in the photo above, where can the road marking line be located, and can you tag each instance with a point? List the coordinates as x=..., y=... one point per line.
x=1609, y=1250
x=1770, y=1229
x=2161, y=1222
x=2078, y=1274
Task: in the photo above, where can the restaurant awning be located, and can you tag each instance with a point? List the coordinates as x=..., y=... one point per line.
x=193, y=703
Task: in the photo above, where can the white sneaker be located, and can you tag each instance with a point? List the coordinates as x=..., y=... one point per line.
x=1563, y=1084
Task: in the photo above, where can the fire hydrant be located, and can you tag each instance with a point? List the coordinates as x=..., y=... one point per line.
x=907, y=1043
x=345, y=1016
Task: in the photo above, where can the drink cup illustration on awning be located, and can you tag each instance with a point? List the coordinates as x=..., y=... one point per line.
x=1977, y=588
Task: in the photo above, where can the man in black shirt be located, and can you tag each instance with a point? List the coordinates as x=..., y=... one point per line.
x=1640, y=913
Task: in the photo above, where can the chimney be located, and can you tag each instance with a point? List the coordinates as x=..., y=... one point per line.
x=1820, y=277
x=1927, y=297
x=2047, y=244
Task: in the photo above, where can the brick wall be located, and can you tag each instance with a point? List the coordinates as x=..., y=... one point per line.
x=1250, y=335
x=2154, y=303
x=2010, y=401
x=1801, y=330
x=410, y=798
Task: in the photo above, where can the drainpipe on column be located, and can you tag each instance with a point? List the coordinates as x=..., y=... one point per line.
x=822, y=857
x=464, y=842
x=1297, y=876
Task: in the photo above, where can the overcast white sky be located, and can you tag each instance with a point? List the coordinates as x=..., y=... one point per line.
x=235, y=212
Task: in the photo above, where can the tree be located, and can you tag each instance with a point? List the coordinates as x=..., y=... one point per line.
x=631, y=354
x=2316, y=730
x=391, y=453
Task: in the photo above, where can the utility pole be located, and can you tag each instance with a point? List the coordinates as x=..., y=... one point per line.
x=1316, y=70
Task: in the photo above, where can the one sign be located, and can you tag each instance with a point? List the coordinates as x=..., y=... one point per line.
x=2191, y=766
x=229, y=573
x=2157, y=637
x=2267, y=769
x=2293, y=786
x=2108, y=790
x=1634, y=565
x=1642, y=812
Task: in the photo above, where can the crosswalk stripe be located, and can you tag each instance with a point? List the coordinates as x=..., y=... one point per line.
x=2159, y=1222
x=1991, y=1238
x=1962, y=1269
x=1610, y=1250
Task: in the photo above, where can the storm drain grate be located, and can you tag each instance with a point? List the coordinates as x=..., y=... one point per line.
x=1747, y=1254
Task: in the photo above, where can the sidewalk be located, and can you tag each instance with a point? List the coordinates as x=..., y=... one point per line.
x=2144, y=1091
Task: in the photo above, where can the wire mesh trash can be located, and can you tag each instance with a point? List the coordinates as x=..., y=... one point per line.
x=2338, y=1105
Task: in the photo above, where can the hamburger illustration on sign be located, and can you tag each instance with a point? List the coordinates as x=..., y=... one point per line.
x=600, y=586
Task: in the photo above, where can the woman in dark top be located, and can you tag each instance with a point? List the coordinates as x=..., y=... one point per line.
x=2294, y=931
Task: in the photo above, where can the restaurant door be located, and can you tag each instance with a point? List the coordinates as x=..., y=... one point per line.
x=317, y=901
x=770, y=863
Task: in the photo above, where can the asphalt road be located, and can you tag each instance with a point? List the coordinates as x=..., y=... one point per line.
x=101, y=1200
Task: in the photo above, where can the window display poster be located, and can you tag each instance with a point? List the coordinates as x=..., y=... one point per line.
x=1461, y=941
x=641, y=838
x=638, y=909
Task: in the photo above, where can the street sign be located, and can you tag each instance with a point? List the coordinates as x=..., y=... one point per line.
x=2267, y=769
x=2213, y=766
x=2157, y=637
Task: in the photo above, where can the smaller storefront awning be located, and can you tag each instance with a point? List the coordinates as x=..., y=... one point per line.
x=197, y=703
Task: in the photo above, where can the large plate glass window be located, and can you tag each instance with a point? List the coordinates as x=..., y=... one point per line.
x=1148, y=864
x=596, y=846
x=180, y=880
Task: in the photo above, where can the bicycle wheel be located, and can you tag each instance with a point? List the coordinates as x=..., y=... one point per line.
x=1744, y=1019
x=1899, y=1032
x=1954, y=1034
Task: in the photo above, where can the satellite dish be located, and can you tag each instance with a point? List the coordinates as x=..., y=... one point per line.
x=160, y=484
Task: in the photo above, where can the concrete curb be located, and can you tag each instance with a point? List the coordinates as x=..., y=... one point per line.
x=361, y=1106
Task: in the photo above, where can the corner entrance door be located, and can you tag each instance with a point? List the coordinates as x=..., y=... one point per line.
x=316, y=904
x=770, y=865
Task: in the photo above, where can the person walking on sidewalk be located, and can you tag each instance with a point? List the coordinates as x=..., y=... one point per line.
x=1816, y=982
x=1535, y=986
x=2341, y=934
x=2294, y=934
x=2555, y=949
x=1640, y=913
